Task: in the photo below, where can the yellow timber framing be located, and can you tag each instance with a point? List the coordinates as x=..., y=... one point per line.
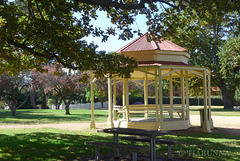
x=146, y=94
x=155, y=73
x=92, y=124
x=110, y=103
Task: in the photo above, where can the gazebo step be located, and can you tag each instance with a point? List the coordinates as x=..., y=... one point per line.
x=169, y=124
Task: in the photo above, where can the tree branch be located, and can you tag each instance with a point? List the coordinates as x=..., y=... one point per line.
x=67, y=65
x=127, y=6
x=6, y=101
x=49, y=57
x=17, y=107
x=39, y=11
x=31, y=50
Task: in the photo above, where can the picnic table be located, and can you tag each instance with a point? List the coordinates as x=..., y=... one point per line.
x=152, y=134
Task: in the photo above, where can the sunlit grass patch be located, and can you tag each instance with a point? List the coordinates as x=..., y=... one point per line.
x=44, y=116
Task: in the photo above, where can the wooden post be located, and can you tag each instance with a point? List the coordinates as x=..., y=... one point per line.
x=156, y=98
x=206, y=124
x=146, y=95
x=187, y=96
x=114, y=92
x=127, y=101
x=171, y=95
x=114, y=98
x=124, y=97
x=110, y=103
x=209, y=101
x=92, y=125
x=183, y=94
x=160, y=97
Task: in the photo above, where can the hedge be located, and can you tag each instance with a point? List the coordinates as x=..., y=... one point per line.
x=193, y=101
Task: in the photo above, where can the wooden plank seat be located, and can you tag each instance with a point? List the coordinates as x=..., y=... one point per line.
x=148, y=109
x=135, y=109
x=170, y=110
x=170, y=143
x=132, y=148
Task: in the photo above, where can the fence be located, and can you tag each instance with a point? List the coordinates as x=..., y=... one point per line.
x=82, y=105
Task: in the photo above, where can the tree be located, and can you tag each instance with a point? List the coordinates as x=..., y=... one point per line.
x=203, y=33
x=56, y=100
x=37, y=94
x=36, y=32
x=229, y=57
x=101, y=87
x=100, y=91
x=66, y=86
x=14, y=90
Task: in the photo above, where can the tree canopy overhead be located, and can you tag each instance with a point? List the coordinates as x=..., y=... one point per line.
x=35, y=32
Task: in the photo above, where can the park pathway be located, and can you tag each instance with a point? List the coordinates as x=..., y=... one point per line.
x=229, y=124
x=219, y=121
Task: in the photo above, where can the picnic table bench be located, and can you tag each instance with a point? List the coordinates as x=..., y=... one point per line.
x=170, y=143
x=132, y=148
x=151, y=134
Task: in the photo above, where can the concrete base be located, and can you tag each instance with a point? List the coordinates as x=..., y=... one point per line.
x=151, y=124
x=92, y=124
x=211, y=123
x=206, y=127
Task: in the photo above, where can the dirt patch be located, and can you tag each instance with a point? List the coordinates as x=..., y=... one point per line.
x=223, y=124
x=227, y=125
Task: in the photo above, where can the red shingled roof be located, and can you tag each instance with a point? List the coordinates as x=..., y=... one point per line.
x=141, y=44
x=159, y=63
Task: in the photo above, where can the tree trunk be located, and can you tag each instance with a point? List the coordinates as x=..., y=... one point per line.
x=32, y=100
x=228, y=98
x=44, y=102
x=13, y=111
x=57, y=104
x=101, y=104
x=67, y=108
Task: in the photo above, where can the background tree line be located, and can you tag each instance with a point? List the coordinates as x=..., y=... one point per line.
x=35, y=32
x=32, y=89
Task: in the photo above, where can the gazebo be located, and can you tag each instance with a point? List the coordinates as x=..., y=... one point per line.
x=158, y=61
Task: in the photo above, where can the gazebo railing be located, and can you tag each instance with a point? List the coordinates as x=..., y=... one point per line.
x=181, y=110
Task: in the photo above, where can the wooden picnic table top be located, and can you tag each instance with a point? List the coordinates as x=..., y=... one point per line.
x=131, y=131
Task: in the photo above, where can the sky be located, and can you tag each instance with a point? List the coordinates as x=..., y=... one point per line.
x=113, y=44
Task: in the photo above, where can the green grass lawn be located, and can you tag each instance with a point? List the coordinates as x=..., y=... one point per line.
x=44, y=116
x=55, y=144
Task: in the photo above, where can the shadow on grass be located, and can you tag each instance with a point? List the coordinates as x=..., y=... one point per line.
x=218, y=145
x=46, y=146
x=64, y=145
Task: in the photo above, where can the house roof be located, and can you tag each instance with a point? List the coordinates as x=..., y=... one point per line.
x=141, y=44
